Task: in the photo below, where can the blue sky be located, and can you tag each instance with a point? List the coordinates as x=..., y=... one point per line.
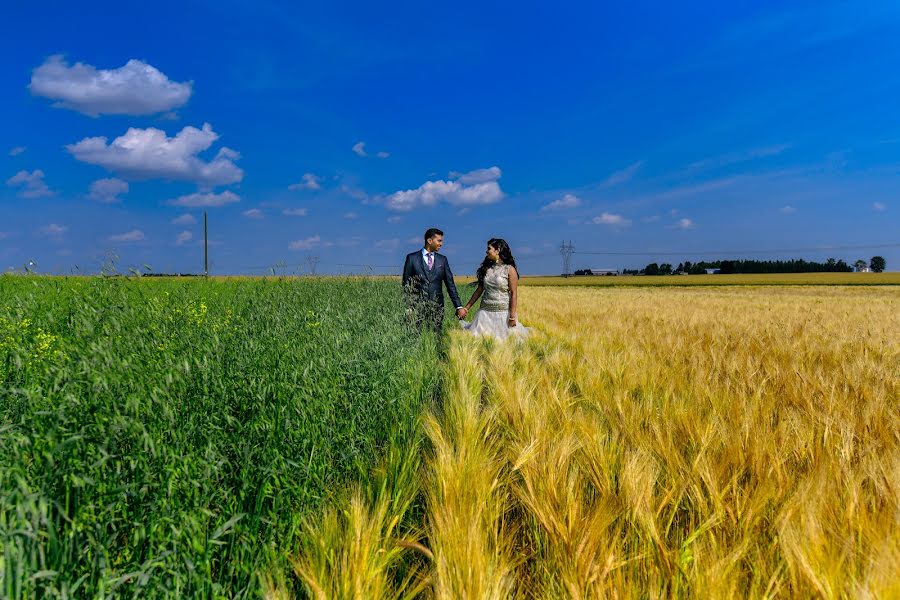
x=344, y=131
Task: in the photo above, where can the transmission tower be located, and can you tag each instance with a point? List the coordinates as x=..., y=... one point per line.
x=566, y=249
x=312, y=261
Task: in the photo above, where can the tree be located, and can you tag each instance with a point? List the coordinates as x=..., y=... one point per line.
x=877, y=264
x=860, y=265
x=651, y=269
x=665, y=269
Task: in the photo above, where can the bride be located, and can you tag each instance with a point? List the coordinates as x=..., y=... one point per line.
x=498, y=280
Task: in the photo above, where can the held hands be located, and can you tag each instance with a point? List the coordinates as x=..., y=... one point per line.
x=461, y=313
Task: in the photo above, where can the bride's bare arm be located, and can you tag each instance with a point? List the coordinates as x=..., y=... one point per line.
x=478, y=291
x=513, y=295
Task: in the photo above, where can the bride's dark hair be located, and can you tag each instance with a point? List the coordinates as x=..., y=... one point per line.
x=506, y=258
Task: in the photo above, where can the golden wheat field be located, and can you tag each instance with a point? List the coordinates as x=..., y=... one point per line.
x=644, y=443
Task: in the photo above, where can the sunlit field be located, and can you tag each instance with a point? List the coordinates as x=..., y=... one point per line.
x=297, y=438
x=892, y=278
x=689, y=443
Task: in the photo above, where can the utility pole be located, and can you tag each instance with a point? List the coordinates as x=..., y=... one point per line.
x=312, y=261
x=205, y=248
x=566, y=250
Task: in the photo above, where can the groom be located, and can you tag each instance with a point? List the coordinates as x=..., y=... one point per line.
x=424, y=272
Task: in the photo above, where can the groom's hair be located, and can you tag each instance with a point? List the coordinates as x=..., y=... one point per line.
x=431, y=232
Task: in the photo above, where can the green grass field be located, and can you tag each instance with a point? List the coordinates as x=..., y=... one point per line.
x=168, y=437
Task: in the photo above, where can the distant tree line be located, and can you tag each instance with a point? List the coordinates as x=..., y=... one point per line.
x=877, y=264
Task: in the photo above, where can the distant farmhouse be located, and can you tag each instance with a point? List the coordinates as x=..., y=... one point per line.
x=713, y=271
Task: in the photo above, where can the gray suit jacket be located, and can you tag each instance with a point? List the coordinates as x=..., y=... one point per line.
x=419, y=280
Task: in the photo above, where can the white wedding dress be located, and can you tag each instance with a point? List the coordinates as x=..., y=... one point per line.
x=490, y=320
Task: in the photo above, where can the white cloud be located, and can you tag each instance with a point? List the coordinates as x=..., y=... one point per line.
x=684, y=224
x=185, y=219
x=383, y=154
x=469, y=189
x=879, y=206
x=391, y=244
x=150, y=153
x=611, y=219
x=567, y=201
x=359, y=148
x=183, y=238
x=32, y=184
x=351, y=215
x=17, y=151
x=355, y=193
x=623, y=176
x=394, y=220
x=305, y=244
x=788, y=209
x=206, y=199
x=477, y=176
x=53, y=231
x=295, y=212
x=253, y=213
x=135, y=235
x=107, y=191
x=738, y=157
x=134, y=89
x=310, y=182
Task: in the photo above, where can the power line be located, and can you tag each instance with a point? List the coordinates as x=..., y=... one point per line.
x=725, y=252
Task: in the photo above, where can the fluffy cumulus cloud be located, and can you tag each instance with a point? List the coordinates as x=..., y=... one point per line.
x=383, y=154
x=151, y=154
x=359, y=148
x=464, y=189
x=183, y=238
x=306, y=243
x=133, y=89
x=135, y=235
x=206, y=199
x=253, y=213
x=185, y=219
x=567, y=201
x=107, y=191
x=310, y=182
x=611, y=219
x=684, y=224
x=32, y=184
x=17, y=151
x=294, y=212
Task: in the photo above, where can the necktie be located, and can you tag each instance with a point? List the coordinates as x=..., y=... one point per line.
x=430, y=260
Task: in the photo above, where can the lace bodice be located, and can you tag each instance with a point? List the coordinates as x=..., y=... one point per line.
x=496, y=289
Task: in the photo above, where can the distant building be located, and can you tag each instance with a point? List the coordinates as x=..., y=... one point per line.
x=713, y=271
x=604, y=272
